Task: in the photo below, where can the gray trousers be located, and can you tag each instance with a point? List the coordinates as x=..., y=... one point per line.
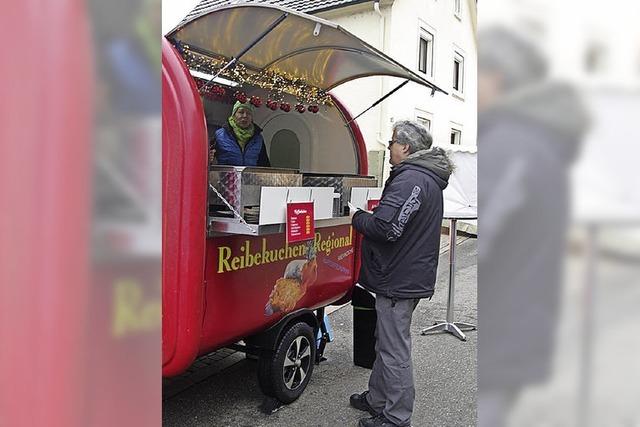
x=391, y=387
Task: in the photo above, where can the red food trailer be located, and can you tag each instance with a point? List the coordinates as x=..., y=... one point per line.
x=230, y=273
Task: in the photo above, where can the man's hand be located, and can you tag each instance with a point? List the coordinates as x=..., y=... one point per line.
x=212, y=155
x=352, y=212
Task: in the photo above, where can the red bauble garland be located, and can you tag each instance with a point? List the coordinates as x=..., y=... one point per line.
x=220, y=93
x=241, y=96
x=271, y=104
x=256, y=101
x=285, y=106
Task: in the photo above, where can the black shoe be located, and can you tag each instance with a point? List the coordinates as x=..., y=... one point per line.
x=359, y=401
x=377, y=421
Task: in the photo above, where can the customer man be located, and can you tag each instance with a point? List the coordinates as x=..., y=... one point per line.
x=399, y=261
x=239, y=142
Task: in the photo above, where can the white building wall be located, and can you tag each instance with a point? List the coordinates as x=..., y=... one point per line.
x=397, y=35
x=360, y=94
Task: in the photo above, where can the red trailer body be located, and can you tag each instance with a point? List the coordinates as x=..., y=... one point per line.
x=208, y=304
x=221, y=288
x=184, y=198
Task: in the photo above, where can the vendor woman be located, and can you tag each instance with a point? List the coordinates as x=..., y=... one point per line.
x=239, y=142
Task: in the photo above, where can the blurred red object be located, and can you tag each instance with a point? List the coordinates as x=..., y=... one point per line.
x=45, y=170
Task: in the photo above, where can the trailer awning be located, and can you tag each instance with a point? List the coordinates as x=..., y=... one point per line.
x=305, y=47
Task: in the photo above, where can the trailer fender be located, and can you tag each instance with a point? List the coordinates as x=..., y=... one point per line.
x=268, y=340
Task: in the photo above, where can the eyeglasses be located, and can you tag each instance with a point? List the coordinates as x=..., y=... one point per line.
x=391, y=142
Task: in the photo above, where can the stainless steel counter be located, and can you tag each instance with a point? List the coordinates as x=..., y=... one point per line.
x=227, y=226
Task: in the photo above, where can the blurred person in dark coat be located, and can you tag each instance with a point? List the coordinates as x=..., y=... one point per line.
x=400, y=254
x=529, y=133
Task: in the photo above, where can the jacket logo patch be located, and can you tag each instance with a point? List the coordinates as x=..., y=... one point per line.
x=411, y=205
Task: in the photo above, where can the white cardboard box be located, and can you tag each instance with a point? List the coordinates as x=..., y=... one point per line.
x=273, y=202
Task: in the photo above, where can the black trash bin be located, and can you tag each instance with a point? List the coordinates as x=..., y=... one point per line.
x=364, y=327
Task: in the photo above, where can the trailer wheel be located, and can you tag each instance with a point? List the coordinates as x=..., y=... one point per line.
x=286, y=374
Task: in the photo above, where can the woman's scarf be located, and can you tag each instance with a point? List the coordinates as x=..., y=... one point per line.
x=242, y=135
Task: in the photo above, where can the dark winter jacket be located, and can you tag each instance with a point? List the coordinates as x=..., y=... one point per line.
x=228, y=151
x=402, y=236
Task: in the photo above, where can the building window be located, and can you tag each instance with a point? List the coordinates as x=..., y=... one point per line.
x=425, y=53
x=456, y=137
x=457, y=8
x=458, y=73
x=424, y=122
x=424, y=118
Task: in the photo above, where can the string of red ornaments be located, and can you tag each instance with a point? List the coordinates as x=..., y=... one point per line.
x=219, y=93
x=211, y=91
x=256, y=101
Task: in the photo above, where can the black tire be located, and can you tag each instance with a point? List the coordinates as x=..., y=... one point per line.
x=287, y=372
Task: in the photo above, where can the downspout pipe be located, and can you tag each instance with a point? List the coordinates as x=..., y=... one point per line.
x=383, y=30
x=376, y=7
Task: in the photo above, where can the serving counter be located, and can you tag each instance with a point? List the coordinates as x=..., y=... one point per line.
x=252, y=200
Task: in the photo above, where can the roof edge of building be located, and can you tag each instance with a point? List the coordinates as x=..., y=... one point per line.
x=338, y=6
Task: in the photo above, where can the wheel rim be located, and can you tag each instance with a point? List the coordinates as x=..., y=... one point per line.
x=296, y=363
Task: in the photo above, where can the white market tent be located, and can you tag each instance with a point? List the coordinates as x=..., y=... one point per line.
x=461, y=195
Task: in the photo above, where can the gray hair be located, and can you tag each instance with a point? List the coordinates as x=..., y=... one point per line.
x=517, y=60
x=413, y=134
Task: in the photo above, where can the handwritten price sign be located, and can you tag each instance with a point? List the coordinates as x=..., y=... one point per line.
x=300, y=225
